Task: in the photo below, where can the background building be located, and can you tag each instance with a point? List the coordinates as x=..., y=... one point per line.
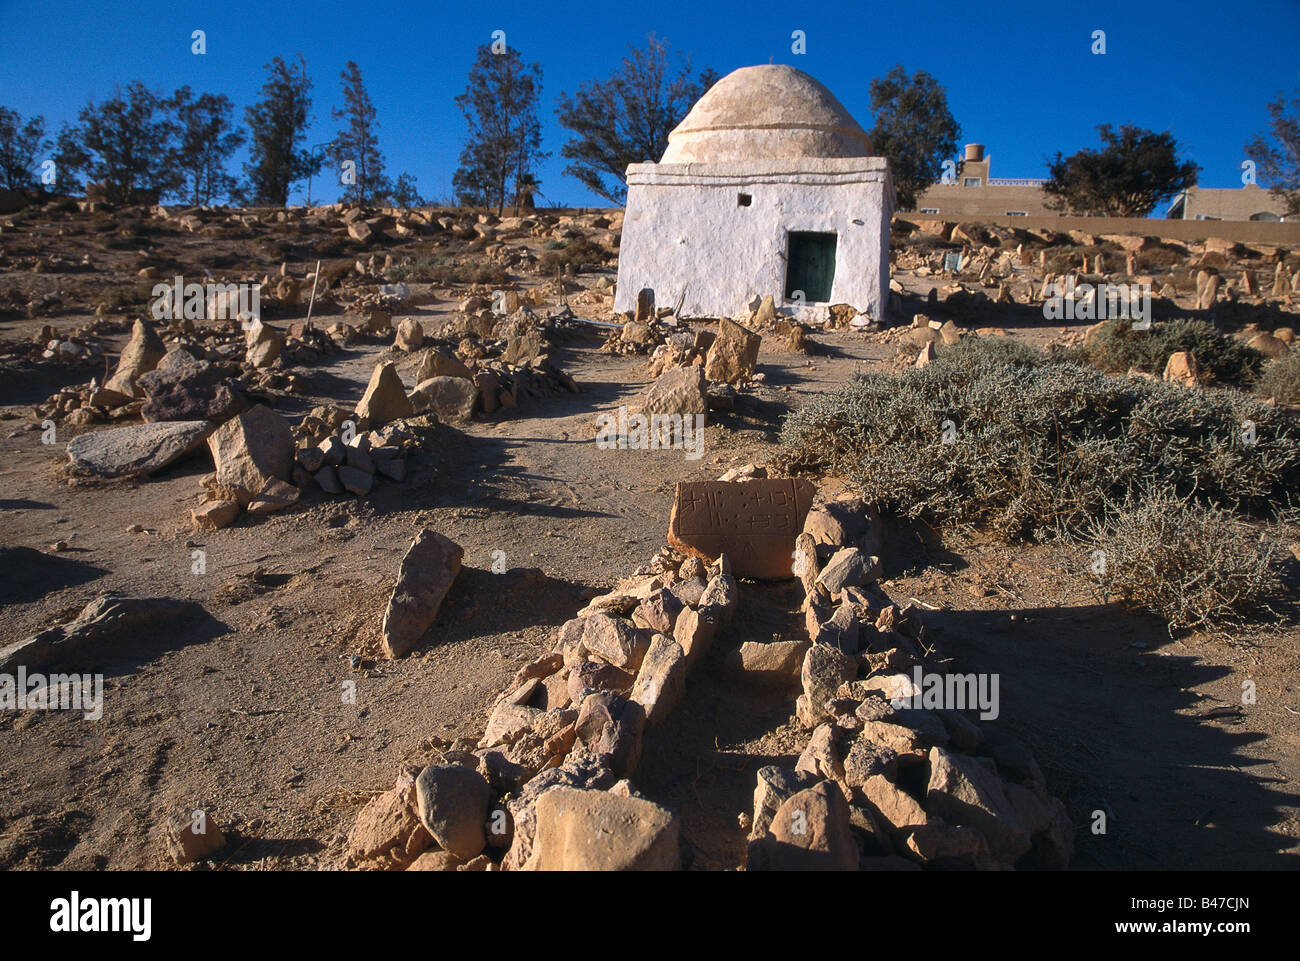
x=1250, y=202
x=973, y=193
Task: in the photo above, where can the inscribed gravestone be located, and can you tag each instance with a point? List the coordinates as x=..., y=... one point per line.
x=753, y=522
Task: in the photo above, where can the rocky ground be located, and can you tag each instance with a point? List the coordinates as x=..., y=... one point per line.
x=239, y=706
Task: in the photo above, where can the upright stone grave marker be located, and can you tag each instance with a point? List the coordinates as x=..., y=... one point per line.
x=754, y=522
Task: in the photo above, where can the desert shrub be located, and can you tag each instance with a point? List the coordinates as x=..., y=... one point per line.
x=1039, y=450
x=327, y=247
x=1280, y=379
x=975, y=352
x=1190, y=564
x=1158, y=260
x=274, y=249
x=434, y=270
x=923, y=244
x=577, y=253
x=1061, y=260
x=1118, y=347
x=126, y=241
x=126, y=298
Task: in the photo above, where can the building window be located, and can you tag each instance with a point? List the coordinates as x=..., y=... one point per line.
x=971, y=182
x=929, y=210
x=1265, y=215
x=810, y=266
x=743, y=200
x=1017, y=213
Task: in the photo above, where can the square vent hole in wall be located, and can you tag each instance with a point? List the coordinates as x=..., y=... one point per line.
x=810, y=266
x=744, y=200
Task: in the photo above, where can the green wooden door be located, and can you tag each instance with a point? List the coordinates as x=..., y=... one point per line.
x=811, y=266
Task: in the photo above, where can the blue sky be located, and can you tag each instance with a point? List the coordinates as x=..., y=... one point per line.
x=1020, y=75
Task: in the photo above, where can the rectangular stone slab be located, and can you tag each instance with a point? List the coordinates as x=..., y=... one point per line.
x=753, y=522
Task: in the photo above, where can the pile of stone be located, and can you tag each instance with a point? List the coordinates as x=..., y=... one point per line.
x=642, y=330
x=699, y=371
x=69, y=349
x=452, y=380
x=926, y=335
x=887, y=780
x=561, y=742
x=373, y=313
x=78, y=347
x=879, y=785
x=85, y=405
x=1020, y=264
x=196, y=373
x=253, y=454
x=263, y=465
x=334, y=456
x=116, y=398
x=788, y=331
x=637, y=337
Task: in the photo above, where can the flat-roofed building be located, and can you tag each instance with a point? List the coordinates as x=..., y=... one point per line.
x=972, y=193
x=1250, y=202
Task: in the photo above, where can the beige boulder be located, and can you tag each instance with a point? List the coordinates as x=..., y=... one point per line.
x=426, y=574
x=410, y=335
x=251, y=449
x=734, y=353
x=451, y=399
x=581, y=830
x=811, y=832
x=434, y=363
x=661, y=680
x=385, y=398
x=1269, y=345
x=1183, y=368
x=262, y=345
x=679, y=390
x=772, y=662
x=389, y=825
x=141, y=355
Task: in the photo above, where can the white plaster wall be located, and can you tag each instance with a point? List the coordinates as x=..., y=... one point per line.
x=685, y=232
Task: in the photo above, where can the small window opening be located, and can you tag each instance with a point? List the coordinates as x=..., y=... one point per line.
x=743, y=200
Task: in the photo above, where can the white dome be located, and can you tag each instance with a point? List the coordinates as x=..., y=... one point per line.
x=766, y=112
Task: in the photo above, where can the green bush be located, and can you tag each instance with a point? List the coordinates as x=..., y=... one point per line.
x=971, y=353
x=1118, y=347
x=1039, y=449
x=577, y=253
x=1191, y=565
x=1280, y=379
x=433, y=270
